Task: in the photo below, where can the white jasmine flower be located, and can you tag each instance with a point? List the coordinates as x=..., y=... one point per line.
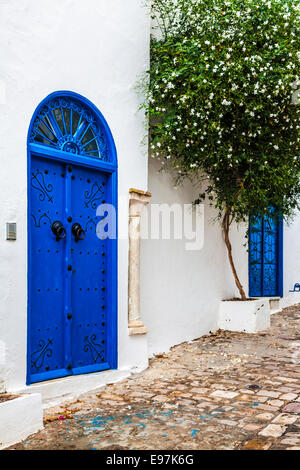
x=226, y=103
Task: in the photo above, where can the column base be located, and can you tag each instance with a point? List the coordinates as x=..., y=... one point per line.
x=137, y=327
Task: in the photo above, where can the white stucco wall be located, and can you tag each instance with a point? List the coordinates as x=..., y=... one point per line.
x=99, y=49
x=291, y=260
x=291, y=254
x=95, y=48
x=181, y=289
x=240, y=255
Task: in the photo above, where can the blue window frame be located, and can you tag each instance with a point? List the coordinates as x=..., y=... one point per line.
x=266, y=256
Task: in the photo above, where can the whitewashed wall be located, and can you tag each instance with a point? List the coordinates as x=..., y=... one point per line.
x=240, y=255
x=291, y=260
x=95, y=48
x=98, y=49
x=181, y=289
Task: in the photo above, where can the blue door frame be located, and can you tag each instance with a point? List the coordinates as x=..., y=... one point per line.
x=265, y=257
x=74, y=142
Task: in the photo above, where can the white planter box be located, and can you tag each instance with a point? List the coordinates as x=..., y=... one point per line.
x=249, y=316
x=19, y=418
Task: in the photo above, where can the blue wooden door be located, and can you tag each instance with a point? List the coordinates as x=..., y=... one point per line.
x=72, y=270
x=47, y=267
x=89, y=268
x=265, y=257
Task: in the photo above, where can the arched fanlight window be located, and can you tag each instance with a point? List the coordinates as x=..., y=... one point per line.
x=65, y=123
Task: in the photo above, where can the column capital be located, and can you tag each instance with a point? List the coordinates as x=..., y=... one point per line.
x=139, y=192
x=137, y=200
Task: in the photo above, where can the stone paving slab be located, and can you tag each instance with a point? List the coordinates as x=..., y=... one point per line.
x=223, y=391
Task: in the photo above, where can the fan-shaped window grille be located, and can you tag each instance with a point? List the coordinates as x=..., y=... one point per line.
x=66, y=124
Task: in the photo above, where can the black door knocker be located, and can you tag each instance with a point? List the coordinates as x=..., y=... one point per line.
x=58, y=230
x=78, y=232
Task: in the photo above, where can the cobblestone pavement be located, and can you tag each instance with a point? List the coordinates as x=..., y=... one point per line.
x=222, y=391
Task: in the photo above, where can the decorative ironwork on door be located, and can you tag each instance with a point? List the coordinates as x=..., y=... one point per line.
x=265, y=256
x=72, y=308
x=65, y=124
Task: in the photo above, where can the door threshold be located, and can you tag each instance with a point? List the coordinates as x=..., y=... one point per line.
x=62, y=389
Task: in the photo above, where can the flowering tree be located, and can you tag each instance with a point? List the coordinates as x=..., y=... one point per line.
x=220, y=107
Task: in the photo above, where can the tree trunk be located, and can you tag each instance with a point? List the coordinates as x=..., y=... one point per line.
x=226, y=226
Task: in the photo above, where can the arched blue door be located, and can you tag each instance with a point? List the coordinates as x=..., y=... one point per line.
x=265, y=257
x=72, y=273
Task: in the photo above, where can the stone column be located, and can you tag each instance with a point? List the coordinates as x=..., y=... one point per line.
x=138, y=200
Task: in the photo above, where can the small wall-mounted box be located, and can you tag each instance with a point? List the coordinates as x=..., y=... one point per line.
x=11, y=231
